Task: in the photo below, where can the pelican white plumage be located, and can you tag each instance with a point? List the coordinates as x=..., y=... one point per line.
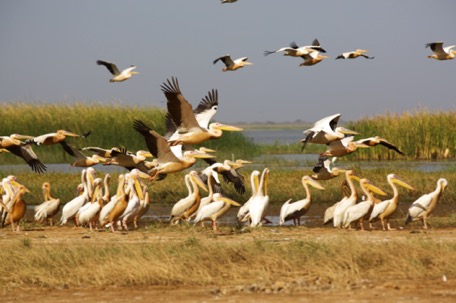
x=17, y=208
x=258, y=206
x=14, y=145
x=354, y=54
x=329, y=212
x=422, y=208
x=243, y=212
x=360, y=210
x=215, y=209
x=186, y=206
x=49, y=208
x=230, y=64
x=295, y=51
x=342, y=147
x=346, y=202
x=135, y=195
x=81, y=160
x=57, y=137
x=118, y=76
x=385, y=209
x=71, y=208
x=325, y=130
x=295, y=210
x=87, y=214
x=110, y=204
x=323, y=170
x=440, y=52
x=312, y=58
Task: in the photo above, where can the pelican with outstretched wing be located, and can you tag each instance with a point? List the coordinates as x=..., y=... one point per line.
x=231, y=64
x=118, y=76
x=440, y=52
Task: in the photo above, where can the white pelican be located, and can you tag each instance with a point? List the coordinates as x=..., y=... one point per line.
x=186, y=206
x=71, y=208
x=229, y=170
x=130, y=160
x=17, y=209
x=231, y=64
x=260, y=202
x=373, y=141
x=295, y=51
x=325, y=130
x=135, y=195
x=183, y=117
x=323, y=170
x=295, y=210
x=121, y=202
x=342, y=147
x=110, y=203
x=143, y=207
x=346, y=202
x=118, y=76
x=312, y=58
x=102, y=152
x=24, y=150
x=329, y=212
x=57, y=137
x=440, y=52
x=424, y=205
x=228, y=1
x=159, y=148
x=385, y=209
x=49, y=208
x=81, y=160
x=87, y=214
x=243, y=213
x=355, y=54
x=215, y=210
x=360, y=210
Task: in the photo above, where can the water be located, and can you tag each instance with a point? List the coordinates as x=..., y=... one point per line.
x=280, y=136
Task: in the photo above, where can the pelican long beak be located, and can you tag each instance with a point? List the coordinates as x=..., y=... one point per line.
x=227, y=200
x=95, y=193
x=229, y=127
x=70, y=134
x=375, y=189
x=347, y=131
x=99, y=158
x=134, y=73
x=21, y=137
x=207, y=150
x=3, y=150
x=138, y=188
x=200, y=155
x=198, y=180
x=402, y=183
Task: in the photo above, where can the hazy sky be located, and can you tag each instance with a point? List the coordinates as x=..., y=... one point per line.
x=49, y=48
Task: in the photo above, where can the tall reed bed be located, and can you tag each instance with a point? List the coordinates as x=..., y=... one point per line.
x=421, y=134
x=226, y=261
x=111, y=125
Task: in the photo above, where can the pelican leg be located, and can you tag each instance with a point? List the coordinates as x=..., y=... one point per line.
x=383, y=223
x=299, y=221
x=361, y=224
x=214, y=225
x=389, y=226
x=424, y=222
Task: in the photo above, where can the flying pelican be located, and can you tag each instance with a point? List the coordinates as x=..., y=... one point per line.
x=57, y=137
x=49, y=208
x=243, y=213
x=355, y=54
x=23, y=150
x=423, y=206
x=159, y=148
x=260, y=202
x=186, y=206
x=129, y=160
x=81, y=160
x=342, y=147
x=385, y=209
x=440, y=52
x=346, y=202
x=118, y=75
x=228, y=1
x=295, y=51
x=231, y=64
x=229, y=170
x=312, y=58
x=373, y=141
x=215, y=210
x=102, y=152
x=183, y=117
x=325, y=130
x=295, y=210
x=323, y=171
x=359, y=211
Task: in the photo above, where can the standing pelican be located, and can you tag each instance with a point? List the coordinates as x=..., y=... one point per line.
x=329, y=212
x=325, y=130
x=295, y=51
x=88, y=213
x=17, y=209
x=135, y=195
x=143, y=207
x=118, y=76
x=243, y=213
x=385, y=209
x=440, y=52
x=185, y=207
x=23, y=150
x=295, y=210
x=424, y=206
x=346, y=202
x=119, y=203
x=231, y=64
x=359, y=211
x=355, y=54
x=168, y=162
x=49, y=208
x=324, y=171
x=259, y=204
x=183, y=117
x=215, y=210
